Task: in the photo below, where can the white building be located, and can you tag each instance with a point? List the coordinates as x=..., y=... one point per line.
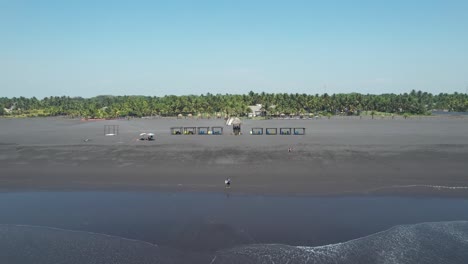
x=256, y=110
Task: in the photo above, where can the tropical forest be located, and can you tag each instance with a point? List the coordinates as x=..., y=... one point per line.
x=210, y=105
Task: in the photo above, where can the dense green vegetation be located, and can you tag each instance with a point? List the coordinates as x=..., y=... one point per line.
x=209, y=104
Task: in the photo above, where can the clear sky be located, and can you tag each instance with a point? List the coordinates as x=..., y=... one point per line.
x=86, y=48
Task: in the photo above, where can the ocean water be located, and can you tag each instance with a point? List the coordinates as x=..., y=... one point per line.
x=440, y=242
x=121, y=227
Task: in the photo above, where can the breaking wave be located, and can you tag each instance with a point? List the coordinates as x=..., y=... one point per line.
x=441, y=242
x=437, y=187
x=438, y=242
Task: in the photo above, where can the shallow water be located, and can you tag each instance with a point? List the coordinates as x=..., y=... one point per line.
x=144, y=227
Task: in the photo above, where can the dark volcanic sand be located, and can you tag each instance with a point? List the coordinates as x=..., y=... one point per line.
x=345, y=157
x=337, y=156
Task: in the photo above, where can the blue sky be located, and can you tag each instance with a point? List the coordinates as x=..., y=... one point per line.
x=87, y=48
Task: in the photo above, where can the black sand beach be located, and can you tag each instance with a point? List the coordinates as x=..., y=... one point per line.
x=350, y=191
x=335, y=157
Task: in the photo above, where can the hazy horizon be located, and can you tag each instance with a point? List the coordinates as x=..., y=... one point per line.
x=157, y=48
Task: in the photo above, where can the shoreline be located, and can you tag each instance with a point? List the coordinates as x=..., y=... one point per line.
x=411, y=194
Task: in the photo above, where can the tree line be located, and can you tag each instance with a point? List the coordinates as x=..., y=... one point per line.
x=415, y=102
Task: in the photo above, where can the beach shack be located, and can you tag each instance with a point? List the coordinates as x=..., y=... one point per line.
x=285, y=131
x=299, y=131
x=236, y=126
x=256, y=131
x=216, y=130
x=203, y=130
x=176, y=130
x=271, y=131
x=190, y=130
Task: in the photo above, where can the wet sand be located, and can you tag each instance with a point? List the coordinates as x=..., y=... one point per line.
x=167, y=227
x=340, y=156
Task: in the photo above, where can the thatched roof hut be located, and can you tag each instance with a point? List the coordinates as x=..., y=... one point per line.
x=236, y=121
x=236, y=125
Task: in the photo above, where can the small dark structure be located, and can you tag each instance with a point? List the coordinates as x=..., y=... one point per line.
x=111, y=130
x=236, y=126
x=216, y=130
x=256, y=131
x=285, y=131
x=190, y=130
x=236, y=129
x=271, y=131
x=203, y=130
x=299, y=131
x=176, y=130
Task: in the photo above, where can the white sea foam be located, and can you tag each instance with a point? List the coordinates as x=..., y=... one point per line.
x=431, y=186
x=437, y=242
x=442, y=242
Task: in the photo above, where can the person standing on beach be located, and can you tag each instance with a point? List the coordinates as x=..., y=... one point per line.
x=227, y=182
